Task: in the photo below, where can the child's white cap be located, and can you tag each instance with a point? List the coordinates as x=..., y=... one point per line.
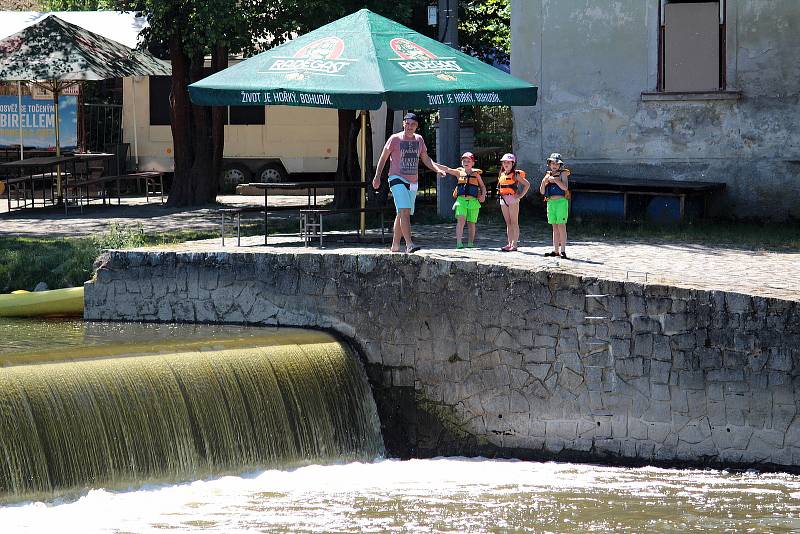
x=508, y=157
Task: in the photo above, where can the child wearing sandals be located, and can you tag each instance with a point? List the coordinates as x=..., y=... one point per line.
x=469, y=194
x=555, y=188
x=508, y=187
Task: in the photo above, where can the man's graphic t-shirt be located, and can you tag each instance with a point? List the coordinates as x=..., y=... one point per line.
x=404, y=155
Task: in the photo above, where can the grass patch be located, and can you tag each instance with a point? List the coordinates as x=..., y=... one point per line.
x=58, y=262
x=67, y=262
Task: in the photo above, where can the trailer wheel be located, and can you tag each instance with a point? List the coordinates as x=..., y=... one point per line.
x=272, y=173
x=234, y=174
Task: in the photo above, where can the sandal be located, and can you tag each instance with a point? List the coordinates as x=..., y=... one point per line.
x=506, y=248
x=564, y=256
x=512, y=249
x=459, y=245
x=413, y=249
x=551, y=254
x=470, y=245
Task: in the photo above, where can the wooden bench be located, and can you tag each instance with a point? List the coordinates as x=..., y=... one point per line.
x=154, y=185
x=311, y=221
x=661, y=201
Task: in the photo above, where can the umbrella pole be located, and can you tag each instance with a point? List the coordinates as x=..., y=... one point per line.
x=19, y=118
x=135, y=129
x=56, y=90
x=363, y=170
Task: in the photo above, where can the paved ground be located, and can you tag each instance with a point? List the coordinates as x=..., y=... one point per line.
x=153, y=216
x=772, y=274
x=775, y=274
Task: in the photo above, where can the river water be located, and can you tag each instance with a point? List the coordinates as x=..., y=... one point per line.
x=386, y=495
x=439, y=495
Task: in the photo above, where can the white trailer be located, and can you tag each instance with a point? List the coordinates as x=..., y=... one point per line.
x=262, y=144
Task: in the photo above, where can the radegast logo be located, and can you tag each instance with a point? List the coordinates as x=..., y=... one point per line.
x=418, y=61
x=322, y=57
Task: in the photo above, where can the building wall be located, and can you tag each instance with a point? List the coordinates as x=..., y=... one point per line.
x=469, y=358
x=594, y=59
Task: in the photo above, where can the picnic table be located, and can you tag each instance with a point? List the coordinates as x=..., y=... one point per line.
x=102, y=177
x=28, y=180
x=12, y=153
x=310, y=213
x=22, y=176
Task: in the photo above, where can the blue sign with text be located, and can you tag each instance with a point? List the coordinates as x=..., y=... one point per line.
x=37, y=118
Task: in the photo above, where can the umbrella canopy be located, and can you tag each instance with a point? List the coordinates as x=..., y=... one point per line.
x=54, y=53
x=359, y=62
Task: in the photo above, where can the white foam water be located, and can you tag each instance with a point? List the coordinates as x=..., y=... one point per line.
x=438, y=495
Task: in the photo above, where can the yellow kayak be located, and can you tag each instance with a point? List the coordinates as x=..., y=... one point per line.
x=54, y=303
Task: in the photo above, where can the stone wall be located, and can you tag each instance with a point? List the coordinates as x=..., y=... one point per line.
x=595, y=62
x=467, y=358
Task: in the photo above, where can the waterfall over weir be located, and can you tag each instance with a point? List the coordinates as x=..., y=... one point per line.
x=88, y=420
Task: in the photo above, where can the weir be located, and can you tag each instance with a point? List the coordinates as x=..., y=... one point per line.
x=69, y=420
x=474, y=358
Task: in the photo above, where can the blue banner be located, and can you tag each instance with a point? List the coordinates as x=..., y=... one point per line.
x=38, y=122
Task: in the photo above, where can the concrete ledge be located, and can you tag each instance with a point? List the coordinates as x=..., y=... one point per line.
x=691, y=96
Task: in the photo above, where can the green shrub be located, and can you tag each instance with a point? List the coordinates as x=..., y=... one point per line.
x=121, y=236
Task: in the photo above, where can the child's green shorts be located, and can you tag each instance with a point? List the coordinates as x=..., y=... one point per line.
x=467, y=208
x=557, y=211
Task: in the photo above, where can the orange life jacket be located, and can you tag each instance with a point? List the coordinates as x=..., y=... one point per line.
x=468, y=185
x=507, y=183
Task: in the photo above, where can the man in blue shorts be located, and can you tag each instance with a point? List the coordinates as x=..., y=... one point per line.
x=404, y=150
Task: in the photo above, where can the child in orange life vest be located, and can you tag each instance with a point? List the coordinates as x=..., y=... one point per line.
x=508, y=187
x=555, y=188
x=469, y=194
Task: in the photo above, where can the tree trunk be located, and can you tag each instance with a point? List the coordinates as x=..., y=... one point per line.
x=204, y=183
x=181, y=125
x=197, y=136
x=348, y=160
x=382, y=195
x=219, y=61
x=372, y=195
x=388, y=130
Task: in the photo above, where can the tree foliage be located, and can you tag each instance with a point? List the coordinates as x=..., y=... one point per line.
x=485, y=29
x=79, y=5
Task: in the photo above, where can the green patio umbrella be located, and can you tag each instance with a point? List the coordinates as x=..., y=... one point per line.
x=55, y=54
x=359, y=62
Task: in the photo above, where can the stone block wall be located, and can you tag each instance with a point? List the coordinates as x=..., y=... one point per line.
x=467, y=358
